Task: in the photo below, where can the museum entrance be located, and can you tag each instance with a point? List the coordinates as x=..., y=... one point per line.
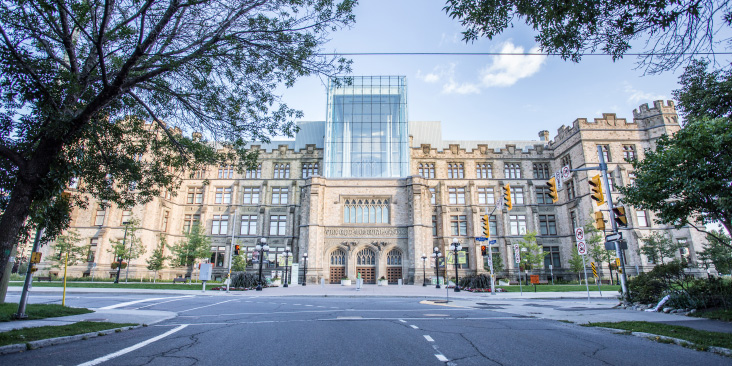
x=366, y=265
x=394, y=266
x=337, y=265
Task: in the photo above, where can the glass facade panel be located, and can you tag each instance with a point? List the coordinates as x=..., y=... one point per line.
x=367, y=127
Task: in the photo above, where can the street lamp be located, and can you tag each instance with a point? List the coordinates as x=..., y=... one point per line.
x=424, y=269
x=436, y=255
x=455, y=247
x=287, y=262
x=305, y=268
x=119, y=265
x=261, y=248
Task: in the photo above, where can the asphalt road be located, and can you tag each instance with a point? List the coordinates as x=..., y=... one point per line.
x=346, y=331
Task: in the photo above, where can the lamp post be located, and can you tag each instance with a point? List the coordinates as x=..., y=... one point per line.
x=424, y=270
x=261, y=248
x=305, y=268
x=287, y=262
x=436, y=255
x=119, y=265
x=455, y=247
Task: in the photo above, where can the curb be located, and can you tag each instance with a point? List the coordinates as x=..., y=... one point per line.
x=21, y=347
x=655, y=337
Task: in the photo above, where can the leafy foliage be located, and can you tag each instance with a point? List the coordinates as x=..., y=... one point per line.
x=718, y=253
x=196, y=245
x=475, y=281
x=130, y=247
x=658, y=246
x=245, y=280
x=157, y=259
x=534, y=255
x=239, y=263
x=68, y=245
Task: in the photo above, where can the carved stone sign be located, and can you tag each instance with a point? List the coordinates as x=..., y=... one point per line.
x=367, y=232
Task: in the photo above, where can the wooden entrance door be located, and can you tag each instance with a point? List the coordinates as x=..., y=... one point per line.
x=336, y=273
x=394, y=266
x=368, y=274
x=393, y=274
x=337, y=265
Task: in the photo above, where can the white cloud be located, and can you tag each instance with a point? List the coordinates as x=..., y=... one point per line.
x=639, y=96
x=431, y=77
x=452, y=87
x=506, y=70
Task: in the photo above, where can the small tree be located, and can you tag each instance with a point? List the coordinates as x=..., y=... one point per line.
x=196, y=245
x=576, y=264
x=596, y=248
x=658, y=246
x=533, y=255
x=130, y=247
x=156, y=261
x=717, y=253
x=67, y=245
x=239, y=263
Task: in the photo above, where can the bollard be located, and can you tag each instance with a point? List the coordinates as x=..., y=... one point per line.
x=400, y=282
x=322, y=282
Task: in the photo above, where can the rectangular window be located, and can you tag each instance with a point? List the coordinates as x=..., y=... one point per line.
x=426, y=170
x=628, y=152
x=255, y=173
x=573, y=219
x=541, y=171
x=605, y=152
x=126, y=216
x=194, y=196
x=226, y=172
x=486, y=196
x=642, y=219
x=566, y=161
x=542, y=196
x=570, y=190
x=433, y=196
x=189, y=221
x=218, y=254
x=455, y=170
x=512, y=171
x=548, y=225
x=164, y=225
x=220, y=225
x=91, y=254
x=458, y=225
x=434, y=225
x=611, y=181
x=552, y=258
x=223, y=195
x=684, y=250
x=518, y=224
x=493, y=223
x=99, y=217
x=279, y=195
x=484, y=171
x=277, y=225
x=250, y=195
x=309, y=170
x=281, y=171
x=198, y=174
x=631, y=178
x=457, y=195
x=248, y=225
x=517, y=195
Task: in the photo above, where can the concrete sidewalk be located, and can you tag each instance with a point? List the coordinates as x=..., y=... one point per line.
x=99, y=315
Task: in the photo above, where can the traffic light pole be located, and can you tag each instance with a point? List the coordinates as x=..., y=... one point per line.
x=231, y=249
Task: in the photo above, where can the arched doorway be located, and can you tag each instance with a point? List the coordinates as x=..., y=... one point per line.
x=366, y=265
x=337, y=265
x=394, y=265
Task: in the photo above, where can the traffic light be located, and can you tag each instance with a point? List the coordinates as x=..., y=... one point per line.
x=552, y=183
x=483, y=250
x=507, y=196
x=618, y=266
x=599, y=221
x=486, y=226
x=596, y=189
x=620, y=217
x=236, y=249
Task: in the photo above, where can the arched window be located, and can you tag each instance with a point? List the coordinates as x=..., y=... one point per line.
x=366, y=257
x=394, y=258
x=338, y=258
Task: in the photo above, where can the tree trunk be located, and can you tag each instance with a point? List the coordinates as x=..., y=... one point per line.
x=12, y=222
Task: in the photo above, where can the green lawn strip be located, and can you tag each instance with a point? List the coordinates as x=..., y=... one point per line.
x=52, y=331
x=560, y=288
x=699, y=337
x=718, y=314
x=39, y=311
x=149, y=286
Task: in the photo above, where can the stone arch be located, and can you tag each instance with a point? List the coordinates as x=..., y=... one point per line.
x=337, y=262
x=366, y=260
x=394, y=264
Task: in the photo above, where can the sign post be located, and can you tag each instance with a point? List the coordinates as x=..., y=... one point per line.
x=594, y=273
x=517, y=257
x=490, y=260
x=579, y=234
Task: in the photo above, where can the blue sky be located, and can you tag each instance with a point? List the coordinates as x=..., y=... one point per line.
x=481, y=97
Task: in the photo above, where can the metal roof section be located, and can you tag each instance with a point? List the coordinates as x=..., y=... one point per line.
x=430, y=132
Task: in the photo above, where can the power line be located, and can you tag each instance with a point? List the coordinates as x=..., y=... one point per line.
x=509, y=54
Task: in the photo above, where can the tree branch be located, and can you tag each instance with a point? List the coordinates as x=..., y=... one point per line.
x=160, y=123
x=14, y=157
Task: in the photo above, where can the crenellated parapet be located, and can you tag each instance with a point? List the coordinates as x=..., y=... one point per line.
x=660, y=114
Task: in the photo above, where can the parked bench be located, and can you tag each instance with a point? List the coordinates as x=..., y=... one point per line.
x=44, y=278
x=179, y=279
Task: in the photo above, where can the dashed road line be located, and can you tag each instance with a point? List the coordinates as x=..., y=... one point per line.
x=402, y=320
x=414, y=326
x=137, y=302
x=121, y=352
x=205, y=306
x=428, y=338
x=441, y=358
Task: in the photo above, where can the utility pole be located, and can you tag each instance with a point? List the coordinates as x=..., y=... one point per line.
x=28, y=277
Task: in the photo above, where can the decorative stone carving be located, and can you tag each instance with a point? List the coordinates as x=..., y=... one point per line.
x=367, y=232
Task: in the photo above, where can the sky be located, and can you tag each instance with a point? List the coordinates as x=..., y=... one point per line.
x=481, y=97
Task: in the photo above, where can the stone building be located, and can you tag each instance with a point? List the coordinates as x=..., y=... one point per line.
x=368, y=191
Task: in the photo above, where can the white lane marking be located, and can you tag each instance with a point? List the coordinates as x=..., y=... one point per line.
x=321, y=306
x=131, y=348
x=441, y=358
x=205, y=306
x=428, y=338
x=139, y=301
x=308, y=305
x=158, y=303
x=414, y=326
x=402, y=320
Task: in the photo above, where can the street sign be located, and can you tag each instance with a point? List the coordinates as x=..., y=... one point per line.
x=491, y=242
x=614, y=237
x=594, y=269
x=579, y=234
x=36, y=257
x=610, y=245
x=566, y=172
x=534, y=279
x=558, y=179
x=480, y=238
x=462, y=258
x=581, y=248
x=450, y=258
x=517, y=253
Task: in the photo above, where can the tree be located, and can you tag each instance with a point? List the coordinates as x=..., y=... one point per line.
x=657, y=246
x=596, y=248
x=532, y=255
x=80, y=79
x=196, y=245
x=576, y=264
x=157, y=259
x=130, y=246
x=239, y=263
x=672, y=32
x=717, y=254
x=67, y=250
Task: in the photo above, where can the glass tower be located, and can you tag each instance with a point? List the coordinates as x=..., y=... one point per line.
x=366, y=133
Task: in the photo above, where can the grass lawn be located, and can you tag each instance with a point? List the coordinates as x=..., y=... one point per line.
x=144, y=285
x=39, y=311
x=701, y=338
x=718, y=314
x=561, y=288
x=33, y=334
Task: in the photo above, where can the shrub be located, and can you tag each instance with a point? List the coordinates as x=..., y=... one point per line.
x=704, y=294
x=245, y=280
x=476, y=281
x=646, y=288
